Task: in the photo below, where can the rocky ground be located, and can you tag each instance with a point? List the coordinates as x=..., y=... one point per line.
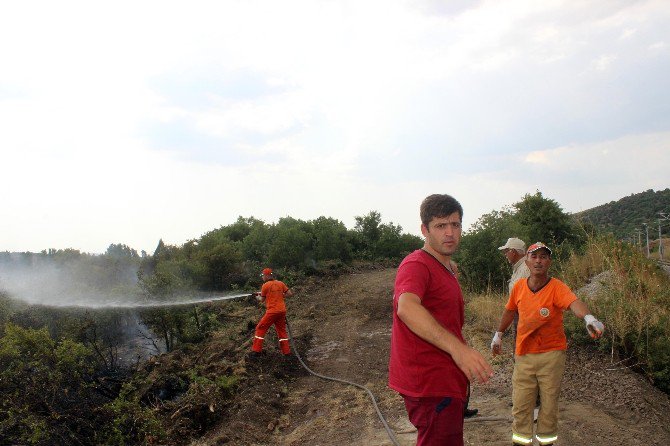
x=341, y=328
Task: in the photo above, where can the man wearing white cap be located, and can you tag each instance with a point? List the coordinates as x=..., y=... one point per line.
x=515, y=252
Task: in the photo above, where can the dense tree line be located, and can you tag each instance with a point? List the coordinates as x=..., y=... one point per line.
x=231, y=256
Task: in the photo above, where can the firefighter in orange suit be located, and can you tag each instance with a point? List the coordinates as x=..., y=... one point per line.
x=272, y=294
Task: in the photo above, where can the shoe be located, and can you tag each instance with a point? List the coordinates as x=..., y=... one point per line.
x=469, y=413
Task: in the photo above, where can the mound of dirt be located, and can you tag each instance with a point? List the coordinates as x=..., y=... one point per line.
x=341, y=328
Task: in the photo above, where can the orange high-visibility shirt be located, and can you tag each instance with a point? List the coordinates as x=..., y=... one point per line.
x=540, y=328
x=273, y=291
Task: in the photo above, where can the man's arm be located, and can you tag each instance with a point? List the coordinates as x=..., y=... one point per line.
x=593, y=325
x=424, y=325
x=579, y=308
x=505, y=322
x=288, y=293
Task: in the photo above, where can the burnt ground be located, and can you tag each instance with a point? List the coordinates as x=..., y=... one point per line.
x=342, y=327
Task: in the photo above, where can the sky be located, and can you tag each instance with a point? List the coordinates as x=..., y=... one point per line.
x=129, y=122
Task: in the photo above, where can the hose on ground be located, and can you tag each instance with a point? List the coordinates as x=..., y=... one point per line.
x=330, y=378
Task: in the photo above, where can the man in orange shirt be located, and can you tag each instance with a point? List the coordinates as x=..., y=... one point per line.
x=539, y=302
x=272, y=294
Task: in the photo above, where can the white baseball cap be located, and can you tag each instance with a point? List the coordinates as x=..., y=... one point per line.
x=514, y=243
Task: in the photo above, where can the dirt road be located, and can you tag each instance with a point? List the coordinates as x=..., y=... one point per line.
x=342, y=329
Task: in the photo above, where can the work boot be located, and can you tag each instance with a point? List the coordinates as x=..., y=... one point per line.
x=469, y=413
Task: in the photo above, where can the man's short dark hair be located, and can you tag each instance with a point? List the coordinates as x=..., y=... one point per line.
x=438, y=206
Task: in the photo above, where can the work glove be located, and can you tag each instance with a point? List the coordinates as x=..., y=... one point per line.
x=496, y=343
x=594, y=326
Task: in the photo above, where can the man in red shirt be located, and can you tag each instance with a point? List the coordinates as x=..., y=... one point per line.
x=272, y=294
x=539, y=302
x=430, y=363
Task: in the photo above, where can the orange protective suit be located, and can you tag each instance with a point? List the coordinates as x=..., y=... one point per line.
x=275, y=314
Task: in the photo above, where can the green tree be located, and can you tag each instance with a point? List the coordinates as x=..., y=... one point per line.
x=368, y=226
x=545, y=221
x=392, y=244
x=256, y=244
x=165, y=283
x=242, y=227
x=221, y=263
x=121, y=251
x=291, y=244
x=331, y=241
x=481, y=265
x=534, y=218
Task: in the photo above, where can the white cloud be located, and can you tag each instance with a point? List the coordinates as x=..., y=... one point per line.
x=658, y=46
x=603, y=62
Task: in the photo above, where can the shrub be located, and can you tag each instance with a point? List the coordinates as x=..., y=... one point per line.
x=633, y=302
x=131, y=422
x=47, y=394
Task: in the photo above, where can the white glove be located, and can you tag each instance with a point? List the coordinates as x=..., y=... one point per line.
x=496, y=343
x=594, y=326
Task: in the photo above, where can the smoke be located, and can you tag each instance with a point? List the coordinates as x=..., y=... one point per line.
x=80, y=280
x=71, y=279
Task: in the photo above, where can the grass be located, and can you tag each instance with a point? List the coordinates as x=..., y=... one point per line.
x=632, y=299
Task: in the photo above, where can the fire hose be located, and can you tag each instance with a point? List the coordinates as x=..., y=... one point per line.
x=389, y=431
x=330, y=378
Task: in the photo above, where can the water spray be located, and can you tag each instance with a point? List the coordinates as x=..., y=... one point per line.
x=152, y=304
x=125, y=305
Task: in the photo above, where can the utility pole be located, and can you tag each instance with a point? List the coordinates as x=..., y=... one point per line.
x=639, y=238
x=663, y=216
x=660, y=241
x=646, y=230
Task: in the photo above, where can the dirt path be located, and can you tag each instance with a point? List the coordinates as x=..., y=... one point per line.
x=342, y=328
x=348, y=321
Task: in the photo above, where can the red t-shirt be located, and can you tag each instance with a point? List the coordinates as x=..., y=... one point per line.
x=540, y=327
x=416, y=367
x=273, y=291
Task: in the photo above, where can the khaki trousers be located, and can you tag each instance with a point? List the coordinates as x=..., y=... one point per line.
x=533, y=373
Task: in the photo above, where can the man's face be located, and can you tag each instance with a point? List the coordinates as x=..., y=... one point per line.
x=539, y=262
x=443, y=234
x=510, y=255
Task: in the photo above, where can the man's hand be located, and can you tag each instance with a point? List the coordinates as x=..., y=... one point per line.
x=472, y=363
x=496, y=343
x=594, y=326
x=424, y=325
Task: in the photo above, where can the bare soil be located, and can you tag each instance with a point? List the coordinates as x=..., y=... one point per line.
x=341, y=327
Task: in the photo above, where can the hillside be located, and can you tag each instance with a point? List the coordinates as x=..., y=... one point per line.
x=341, y=327
x=625, y=217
